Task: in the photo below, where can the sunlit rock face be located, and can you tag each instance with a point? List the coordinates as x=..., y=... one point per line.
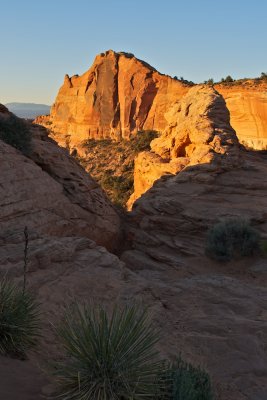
x=198, y=132
x=116, y=97
x=121, y=94
x=247, y=104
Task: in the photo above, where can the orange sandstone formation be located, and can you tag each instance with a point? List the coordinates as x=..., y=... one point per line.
x=198, y=132
x=121, y=94
x=116, y=97
x=247, y=103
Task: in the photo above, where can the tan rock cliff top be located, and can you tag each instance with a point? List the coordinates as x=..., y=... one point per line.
x=198, y=132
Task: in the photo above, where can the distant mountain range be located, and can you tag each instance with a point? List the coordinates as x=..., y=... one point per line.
x=28, y=110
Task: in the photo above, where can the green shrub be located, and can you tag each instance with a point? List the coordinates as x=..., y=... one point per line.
x=142, y=140
x=183, y=381
x=19, y=320
x=231, y=238
x=15, y=132
x=209, y=82
x=106, y=358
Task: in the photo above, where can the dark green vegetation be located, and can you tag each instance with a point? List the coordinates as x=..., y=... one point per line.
x=115, y=358
x=185, y=81
x=233, y=238
x=19, y=320
x=228, y=79
x=15, y=132
x=112, y=163
x=209, y=82
x=183, y=381
x=108, y=358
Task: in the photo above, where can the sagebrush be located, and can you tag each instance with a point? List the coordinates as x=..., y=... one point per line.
x=183, y=381
x=232, y=238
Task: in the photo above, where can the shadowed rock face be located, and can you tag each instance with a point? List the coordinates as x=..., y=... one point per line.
x=51, y=194
x=3, y=110
x=198, y=132
x=116, y=97
x=247, y=104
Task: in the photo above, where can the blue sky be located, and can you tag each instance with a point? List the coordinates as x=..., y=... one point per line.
x=196, y=39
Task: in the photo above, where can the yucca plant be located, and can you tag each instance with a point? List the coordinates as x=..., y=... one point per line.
x=107, y=358
x=19, y=319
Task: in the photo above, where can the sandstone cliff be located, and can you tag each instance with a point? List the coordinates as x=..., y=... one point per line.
x=120, y=94
x=198, y=132
x=116, y=97
x=247, y=103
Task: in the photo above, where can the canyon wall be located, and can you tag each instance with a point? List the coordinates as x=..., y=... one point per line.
x=247, y=103
x=121, y=94
x=116, y=97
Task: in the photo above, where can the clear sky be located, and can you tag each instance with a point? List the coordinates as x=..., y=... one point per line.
x=41, y=40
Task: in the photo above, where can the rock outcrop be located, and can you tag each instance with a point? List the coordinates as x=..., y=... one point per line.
x=116, y=97
x=121, y=94
x=51, y=194
x=214, y=314
x=198, y=132
x=247, y=103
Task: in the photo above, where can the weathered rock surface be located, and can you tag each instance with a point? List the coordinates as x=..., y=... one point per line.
x=198, y=132
x=52, y=194
x=215, y=312
x=116, y=97
x=247, y=104
x=120, y=94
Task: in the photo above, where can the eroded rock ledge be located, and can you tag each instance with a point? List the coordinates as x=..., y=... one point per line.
x=198, y=132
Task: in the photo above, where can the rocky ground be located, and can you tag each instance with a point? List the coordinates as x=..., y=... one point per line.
x=214, y=314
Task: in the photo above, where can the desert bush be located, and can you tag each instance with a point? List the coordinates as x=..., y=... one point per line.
x=119, y=187
x=142, y=140
x=183, y=381
x=107, y=358
x=231, y=238
x=15, y=132
x=209, y=82
x=228, y=79
x=19, y=319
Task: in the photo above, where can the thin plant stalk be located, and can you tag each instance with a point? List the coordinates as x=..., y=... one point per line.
x=25, y=266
